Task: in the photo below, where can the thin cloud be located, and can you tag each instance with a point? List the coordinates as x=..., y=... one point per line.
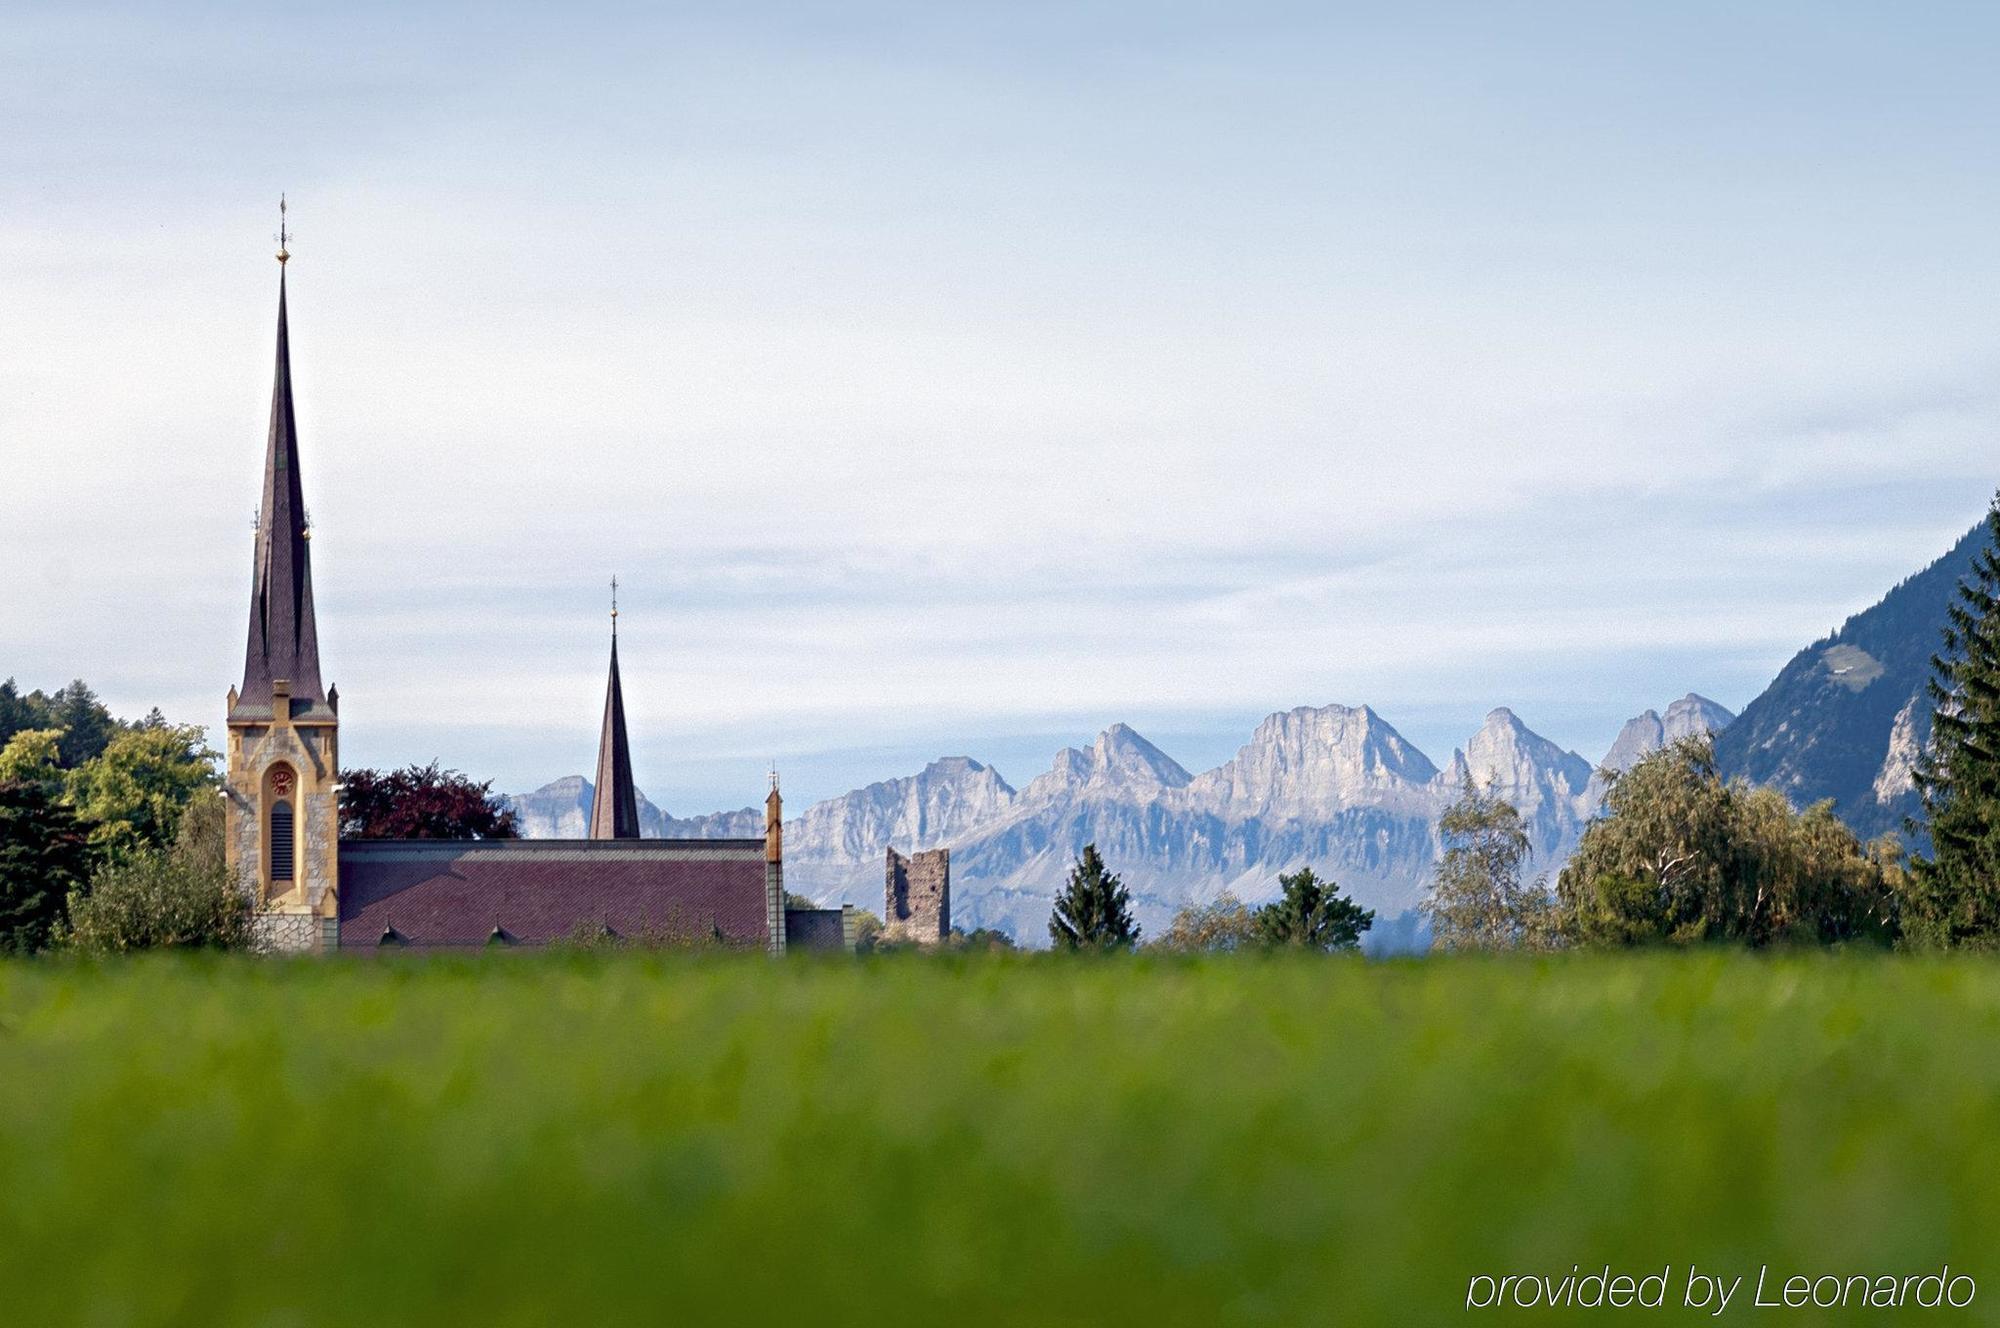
x=946, y=376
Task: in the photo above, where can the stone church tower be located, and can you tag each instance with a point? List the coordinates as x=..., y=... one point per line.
x=284, y=729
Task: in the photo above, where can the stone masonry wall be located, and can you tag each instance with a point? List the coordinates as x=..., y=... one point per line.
x=308, y=751
x=916, y=903
x=285, y=933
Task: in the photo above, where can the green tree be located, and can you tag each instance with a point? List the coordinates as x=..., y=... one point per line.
x=1681, y=856
x=18, y=712
x=44, y=855
x=87, y=726
x=1224, y=923
x=1312, y=914
x=133, y=793
x=979, y=939
x=33, y=756
x=1956, y=896
x=177, y=897
x=867, y=931
x=1476, y=900
x=1094, y=910
x=200, y=841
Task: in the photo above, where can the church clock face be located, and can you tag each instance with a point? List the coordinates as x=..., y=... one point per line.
x=281, y=782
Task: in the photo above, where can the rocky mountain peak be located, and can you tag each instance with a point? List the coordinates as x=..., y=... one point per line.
x=1546, y=784
x=938, y=804
x=1316, y=760
x=1694, y=715
x=1691, y=716
x=1643, y=734
x=560, y=809
x=1128, y=758
x=952, y=769
x=1509, y=755
x=1120, y=764
x=1504, y=742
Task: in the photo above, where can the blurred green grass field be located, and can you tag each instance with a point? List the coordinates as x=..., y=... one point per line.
x=583, y=1140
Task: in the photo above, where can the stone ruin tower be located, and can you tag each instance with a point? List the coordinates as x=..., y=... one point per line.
x=916, y=898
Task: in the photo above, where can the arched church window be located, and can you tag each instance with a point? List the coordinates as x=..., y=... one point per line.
x=281, y=841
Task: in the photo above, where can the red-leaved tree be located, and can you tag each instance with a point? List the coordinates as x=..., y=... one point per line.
x=421, y=802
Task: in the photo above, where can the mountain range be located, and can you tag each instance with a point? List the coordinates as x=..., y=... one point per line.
x=1846, y=719
x=1339, y=788
x=1333, y=786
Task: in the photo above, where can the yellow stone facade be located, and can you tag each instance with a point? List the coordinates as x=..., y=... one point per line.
x=283, y=815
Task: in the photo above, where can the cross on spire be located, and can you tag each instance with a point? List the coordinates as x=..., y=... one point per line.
x=614, y=606
x=284, y=234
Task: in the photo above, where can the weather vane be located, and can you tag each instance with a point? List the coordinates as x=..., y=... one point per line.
x=284, y=235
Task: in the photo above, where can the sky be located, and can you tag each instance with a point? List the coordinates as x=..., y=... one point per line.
x=949, y=379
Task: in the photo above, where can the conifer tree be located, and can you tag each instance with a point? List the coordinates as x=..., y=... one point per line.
x=43, y=856
x=1312, y=914
x=1094, y=911
x=1956, y=900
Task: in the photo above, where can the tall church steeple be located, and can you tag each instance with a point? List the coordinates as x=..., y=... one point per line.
x=614, y=810
x=282, y=783
x=284, y=638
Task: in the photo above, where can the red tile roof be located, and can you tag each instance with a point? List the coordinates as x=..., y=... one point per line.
x=456, y=893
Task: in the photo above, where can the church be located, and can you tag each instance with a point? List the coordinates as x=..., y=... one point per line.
x=313, y=892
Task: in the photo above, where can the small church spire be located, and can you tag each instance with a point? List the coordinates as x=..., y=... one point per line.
x=774, y=821
x=614, y=810
x=284, y=635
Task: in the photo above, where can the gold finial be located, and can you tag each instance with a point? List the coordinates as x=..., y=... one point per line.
x=614, y=606
x=284, y=235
